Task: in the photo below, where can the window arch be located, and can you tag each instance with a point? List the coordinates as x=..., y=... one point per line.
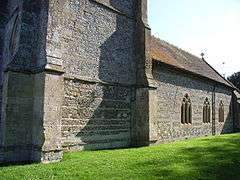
x=221, y=112
x=206, y=111
x=186, y=110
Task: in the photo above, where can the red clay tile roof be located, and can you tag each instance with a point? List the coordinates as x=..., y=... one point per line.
x=171, y=55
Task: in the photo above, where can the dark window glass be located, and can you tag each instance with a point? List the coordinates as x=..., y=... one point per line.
x=206, y=111
x=186, y=110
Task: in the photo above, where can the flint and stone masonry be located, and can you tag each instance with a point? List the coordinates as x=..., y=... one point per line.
x=78, y=75
x=166, y=101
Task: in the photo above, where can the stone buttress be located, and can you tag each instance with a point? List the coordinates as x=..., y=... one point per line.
x=74, y=75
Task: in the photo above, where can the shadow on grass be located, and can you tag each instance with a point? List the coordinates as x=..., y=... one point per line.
x=16, y=164
x=205, y=158
x=217, y=158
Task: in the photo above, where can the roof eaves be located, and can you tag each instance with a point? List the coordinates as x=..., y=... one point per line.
x=196, y=74
x=228, y=82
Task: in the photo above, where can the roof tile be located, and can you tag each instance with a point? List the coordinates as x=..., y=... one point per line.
x=169, y=54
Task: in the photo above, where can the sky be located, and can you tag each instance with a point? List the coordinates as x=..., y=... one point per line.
x=208, y=26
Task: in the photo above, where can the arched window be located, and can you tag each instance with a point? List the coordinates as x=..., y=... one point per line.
x=186, y=110
x=221, y=112
x=206, y=111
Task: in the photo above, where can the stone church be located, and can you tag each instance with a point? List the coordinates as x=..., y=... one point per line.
x=88, y=75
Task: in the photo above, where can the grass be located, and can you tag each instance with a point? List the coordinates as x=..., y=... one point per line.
x=203, y=158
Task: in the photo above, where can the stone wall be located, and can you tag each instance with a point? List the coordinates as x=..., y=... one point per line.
x=77, y=75
x=28, y=52
x=9, y=10
x=223, y=94
x=17, y=116
x=166, y=101
x=27, y=130
x=95, y=116
x=91, y=106
x=1, y=84
x=237, y=110
x=94, y=42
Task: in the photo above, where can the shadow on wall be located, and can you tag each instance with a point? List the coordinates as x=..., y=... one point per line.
x=224, y=118
x=109, y=125
x=104, y=109
x=168, y=76
x=3, y=19
x=23, y=127
x=228, y=125
x=238, y=114
x=236, y=108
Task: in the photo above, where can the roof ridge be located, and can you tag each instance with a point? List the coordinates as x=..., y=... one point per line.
x=186, y=57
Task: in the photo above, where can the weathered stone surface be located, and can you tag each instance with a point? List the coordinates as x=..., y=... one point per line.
x=93, y=41
x=94, y=114
x=17, y=113
x=166, y=103
x=77, y=74
x=223, y=94
x=236, y=110
x=125, y=6
x=31, y=126
x=48, y=91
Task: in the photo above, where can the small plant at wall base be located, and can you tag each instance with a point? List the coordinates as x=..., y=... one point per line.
x=235, y=79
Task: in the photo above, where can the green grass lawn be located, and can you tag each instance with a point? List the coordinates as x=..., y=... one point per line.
x=205, y=158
